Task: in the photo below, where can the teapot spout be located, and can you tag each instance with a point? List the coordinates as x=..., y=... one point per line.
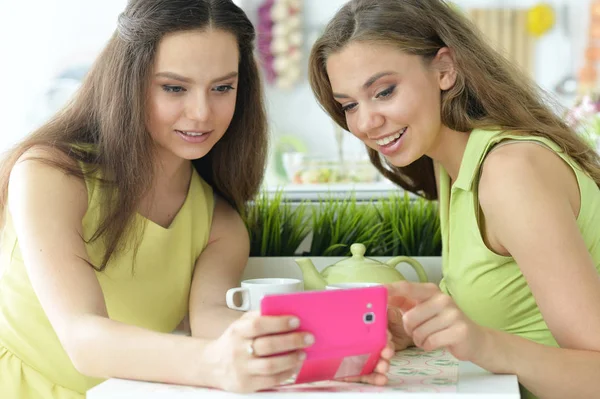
x=312, y=279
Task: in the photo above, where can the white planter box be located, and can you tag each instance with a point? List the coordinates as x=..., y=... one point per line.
x=259, y=267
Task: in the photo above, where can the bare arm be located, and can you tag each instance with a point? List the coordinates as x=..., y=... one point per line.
x=539, y=193
x=400, y=337
x=219, y=267
x=47, y=207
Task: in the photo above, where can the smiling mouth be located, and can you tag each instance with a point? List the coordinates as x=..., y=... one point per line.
x=191, y=134
x=386, y=141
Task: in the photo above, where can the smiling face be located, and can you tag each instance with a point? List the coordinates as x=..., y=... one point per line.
x=391, y=99
x=192, y=92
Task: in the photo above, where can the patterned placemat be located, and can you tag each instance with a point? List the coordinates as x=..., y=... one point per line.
x=411, y=370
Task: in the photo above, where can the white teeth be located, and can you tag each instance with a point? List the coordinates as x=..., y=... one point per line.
x=389, y=139
x=193, y=134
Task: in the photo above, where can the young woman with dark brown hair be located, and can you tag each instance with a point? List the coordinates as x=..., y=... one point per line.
x=120, y=217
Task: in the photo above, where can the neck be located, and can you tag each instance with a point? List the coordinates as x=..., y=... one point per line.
x=172, y=173
x=449, y=149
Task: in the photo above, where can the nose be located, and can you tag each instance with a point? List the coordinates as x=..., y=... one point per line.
x=369, y=119
x=198, y=108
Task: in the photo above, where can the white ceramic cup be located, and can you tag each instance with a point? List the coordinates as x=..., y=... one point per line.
x=252, y=291
x=339, y=286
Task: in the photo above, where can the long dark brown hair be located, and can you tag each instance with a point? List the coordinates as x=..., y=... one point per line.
x=489, y=93
x=104, y=127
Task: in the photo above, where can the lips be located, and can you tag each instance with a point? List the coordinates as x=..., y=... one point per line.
x=389, y=140
x=191, y=133
x=193, y=137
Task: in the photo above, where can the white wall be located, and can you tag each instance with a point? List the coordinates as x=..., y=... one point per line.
x=40, y=37
x=37, y=39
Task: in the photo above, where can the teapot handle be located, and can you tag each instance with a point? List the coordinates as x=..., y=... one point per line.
x=413, y=263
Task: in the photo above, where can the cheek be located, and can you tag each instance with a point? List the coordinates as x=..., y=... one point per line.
x=400, y=110
x=161, y=119
x=152, y=114
x=351, y=121
x=430, y=102
x=422, y=114
x=224, y=109
x=164, y=111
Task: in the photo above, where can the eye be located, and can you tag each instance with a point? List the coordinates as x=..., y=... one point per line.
x=173, y=89
x=386, y=93
x=223, y=88
x=349, y=107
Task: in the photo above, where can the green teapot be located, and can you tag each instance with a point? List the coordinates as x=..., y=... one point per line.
x=357, y=269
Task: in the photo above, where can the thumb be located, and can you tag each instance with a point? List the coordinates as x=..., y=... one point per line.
x=406, y=294
x=402, y=304
x=251, y=314
x=394, y=315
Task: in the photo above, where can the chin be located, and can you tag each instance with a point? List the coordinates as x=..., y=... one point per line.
x=399, y=161
x=404, y=157
x=195, y=155
x=189, y=154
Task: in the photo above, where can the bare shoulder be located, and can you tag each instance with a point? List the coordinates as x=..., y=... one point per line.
x=36, y=181
x=226, y=221
x=521, y=171
x=44, y=152
x=224, y=210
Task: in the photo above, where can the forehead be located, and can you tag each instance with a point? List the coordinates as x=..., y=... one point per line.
x=349, y=68
x=196, y=50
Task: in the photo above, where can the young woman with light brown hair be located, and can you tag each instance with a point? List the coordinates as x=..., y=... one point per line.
x=446, y=117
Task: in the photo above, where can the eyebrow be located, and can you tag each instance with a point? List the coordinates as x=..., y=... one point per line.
x=175, y=76
x=368, y=83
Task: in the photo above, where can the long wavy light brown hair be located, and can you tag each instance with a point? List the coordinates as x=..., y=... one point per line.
x=489, y=93
x=104, y=124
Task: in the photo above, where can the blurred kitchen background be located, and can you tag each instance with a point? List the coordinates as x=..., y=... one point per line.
x=46, y=47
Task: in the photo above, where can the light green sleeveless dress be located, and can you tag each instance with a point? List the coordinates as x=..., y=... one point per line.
x=154, y=295
x=490, y=289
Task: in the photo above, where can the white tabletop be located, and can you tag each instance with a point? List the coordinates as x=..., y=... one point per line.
x=471, y=380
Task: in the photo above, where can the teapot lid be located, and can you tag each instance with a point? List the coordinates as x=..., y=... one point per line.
x=358, y=257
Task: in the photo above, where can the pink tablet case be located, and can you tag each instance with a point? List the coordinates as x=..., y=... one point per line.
x=345, y=343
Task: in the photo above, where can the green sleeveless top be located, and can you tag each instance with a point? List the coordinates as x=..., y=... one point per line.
x=152, y=293
x=490, y=289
